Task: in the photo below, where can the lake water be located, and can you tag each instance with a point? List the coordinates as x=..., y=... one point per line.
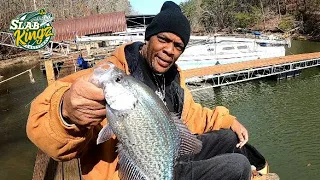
x=283, y=119
x=17, y=152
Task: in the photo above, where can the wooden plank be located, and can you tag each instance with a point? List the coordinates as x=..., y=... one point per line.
x=69, y=170
x=45, y=167
x=49, y=71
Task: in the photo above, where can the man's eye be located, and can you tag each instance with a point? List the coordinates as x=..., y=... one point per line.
x=178, y=46
x=161, y=39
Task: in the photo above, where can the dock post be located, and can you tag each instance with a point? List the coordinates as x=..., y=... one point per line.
x=49, y=71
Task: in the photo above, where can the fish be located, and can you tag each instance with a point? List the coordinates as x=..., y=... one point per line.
x=151, y=138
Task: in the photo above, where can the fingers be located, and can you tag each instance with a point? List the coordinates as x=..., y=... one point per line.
x=241, y=132
x=92, y=113
x=87, y=90
x=92, y=92
x=241, y=140
x=84, y=104
x=87, y=120
x=86, y=112
x=243, y=137
x=246, y=135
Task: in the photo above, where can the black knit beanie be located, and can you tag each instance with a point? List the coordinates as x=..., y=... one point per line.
x=170, y=19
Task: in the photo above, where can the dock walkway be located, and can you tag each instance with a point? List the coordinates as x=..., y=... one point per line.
x=233, y=73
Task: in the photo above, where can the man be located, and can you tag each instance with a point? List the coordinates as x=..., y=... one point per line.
x=65, y=119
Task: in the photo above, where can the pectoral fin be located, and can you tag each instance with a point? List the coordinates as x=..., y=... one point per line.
x=105, y=134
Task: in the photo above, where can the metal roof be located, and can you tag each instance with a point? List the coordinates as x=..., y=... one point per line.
x=94, y=24
x=134, y=21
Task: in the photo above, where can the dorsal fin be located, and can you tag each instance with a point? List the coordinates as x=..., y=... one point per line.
x=189, y=143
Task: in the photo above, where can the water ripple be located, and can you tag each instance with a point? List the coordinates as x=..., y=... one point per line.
x=283, y=120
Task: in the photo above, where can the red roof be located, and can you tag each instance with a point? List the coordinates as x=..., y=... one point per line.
x=100, y=23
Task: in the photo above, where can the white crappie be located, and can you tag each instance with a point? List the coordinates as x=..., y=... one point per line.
x=150, y=137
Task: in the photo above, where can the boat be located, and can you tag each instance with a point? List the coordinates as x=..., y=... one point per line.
x=211, y=51
x=204, y=51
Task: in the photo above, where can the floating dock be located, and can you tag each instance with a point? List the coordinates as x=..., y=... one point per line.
x=282, y=67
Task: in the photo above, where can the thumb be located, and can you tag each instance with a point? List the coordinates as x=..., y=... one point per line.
x=89, y=90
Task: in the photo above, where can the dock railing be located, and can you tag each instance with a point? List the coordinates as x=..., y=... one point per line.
x=226, y=74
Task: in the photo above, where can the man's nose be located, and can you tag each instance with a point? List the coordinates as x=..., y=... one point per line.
x=169, y=49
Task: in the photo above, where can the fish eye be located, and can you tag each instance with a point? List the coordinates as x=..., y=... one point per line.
x=119, y=79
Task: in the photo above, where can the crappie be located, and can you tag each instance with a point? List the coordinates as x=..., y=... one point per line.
x=150, y=137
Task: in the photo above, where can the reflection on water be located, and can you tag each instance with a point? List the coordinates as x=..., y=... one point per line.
x=299, y=47
x=282, y=118
x=17, y=152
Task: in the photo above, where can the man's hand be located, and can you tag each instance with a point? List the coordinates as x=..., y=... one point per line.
x=241, y=132
x=84, y=104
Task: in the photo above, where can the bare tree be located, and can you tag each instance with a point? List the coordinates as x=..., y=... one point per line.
x=61, y=9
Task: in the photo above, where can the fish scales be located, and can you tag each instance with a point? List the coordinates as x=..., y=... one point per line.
x=153, y=135
x=149, y=139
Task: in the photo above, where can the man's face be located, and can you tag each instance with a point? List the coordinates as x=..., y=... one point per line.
x=163, y=50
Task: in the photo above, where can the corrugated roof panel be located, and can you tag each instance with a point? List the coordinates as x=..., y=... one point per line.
x=110, y=22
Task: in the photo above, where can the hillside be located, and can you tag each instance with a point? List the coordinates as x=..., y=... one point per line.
x=293, y=17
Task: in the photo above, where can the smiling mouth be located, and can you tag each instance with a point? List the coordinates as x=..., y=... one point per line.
x=162, y=62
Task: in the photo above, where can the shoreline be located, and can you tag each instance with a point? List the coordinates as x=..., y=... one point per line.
x=21, y=60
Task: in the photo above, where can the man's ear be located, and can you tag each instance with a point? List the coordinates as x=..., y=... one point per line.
x=143, y=49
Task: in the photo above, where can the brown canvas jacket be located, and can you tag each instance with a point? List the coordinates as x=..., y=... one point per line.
x=46, y=130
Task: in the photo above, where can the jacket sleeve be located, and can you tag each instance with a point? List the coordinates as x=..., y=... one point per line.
x=201, y=119
x=46, y=129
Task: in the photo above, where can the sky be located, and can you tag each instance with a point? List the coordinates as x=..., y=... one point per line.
x=150, y=7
